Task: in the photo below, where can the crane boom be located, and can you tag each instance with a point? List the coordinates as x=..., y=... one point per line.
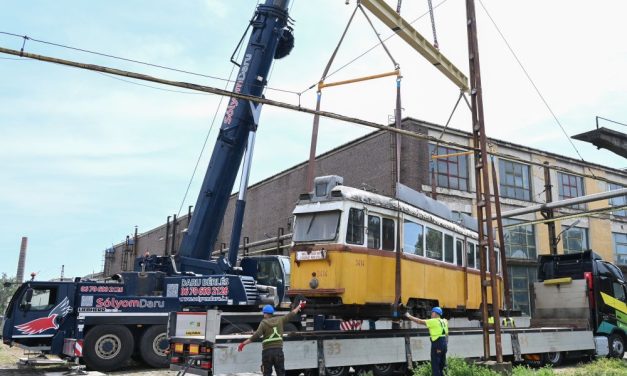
x=270, y=38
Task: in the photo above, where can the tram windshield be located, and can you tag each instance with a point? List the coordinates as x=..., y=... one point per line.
x=320, y=226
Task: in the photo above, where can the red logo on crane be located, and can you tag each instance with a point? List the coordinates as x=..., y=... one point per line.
x=42, y=324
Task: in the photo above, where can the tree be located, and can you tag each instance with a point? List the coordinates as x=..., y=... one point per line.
x=8, y=285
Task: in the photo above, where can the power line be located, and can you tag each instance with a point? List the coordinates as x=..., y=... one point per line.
x=25, y=37
x=546, y=104
x=288, y=106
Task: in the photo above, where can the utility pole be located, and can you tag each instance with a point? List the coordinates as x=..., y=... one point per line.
x=549, y=213
x=482, y=182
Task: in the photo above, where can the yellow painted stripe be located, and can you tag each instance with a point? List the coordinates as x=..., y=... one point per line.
x=614, y=303
x=558, y=281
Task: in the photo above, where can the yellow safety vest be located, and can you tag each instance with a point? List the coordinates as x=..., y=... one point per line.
x=275, y=336
x=437, y=328
x=491, y=320
x=508, y=322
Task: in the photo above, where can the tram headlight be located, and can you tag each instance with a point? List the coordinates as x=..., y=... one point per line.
x=313, y=283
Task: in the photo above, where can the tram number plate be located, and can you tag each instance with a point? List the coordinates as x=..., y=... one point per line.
x=320, y=254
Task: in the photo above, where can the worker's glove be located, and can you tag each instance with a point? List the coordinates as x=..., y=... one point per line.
x=302, y=305
x=240, y=347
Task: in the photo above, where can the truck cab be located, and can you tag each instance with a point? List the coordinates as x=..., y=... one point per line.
x=38, y=316
x=604, y=307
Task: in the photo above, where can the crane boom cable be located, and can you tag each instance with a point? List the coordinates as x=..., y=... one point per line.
x=532, y=82
x=288, y=106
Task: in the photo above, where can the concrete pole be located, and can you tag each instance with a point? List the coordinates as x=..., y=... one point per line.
x=21, y=263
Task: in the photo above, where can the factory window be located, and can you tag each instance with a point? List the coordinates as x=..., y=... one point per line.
x=450, y=172
x=460, y=252
x=388, y=234
x=520, y=241
x=570, y=186
x=520, y=277
x=412, y=238
x=514, y=180
x=449, y=251
x=471, y=256
x=575, y=240
x=620, y=247
x=433, y=243
x=618, y=201
x=355, y=228
x=374, y=232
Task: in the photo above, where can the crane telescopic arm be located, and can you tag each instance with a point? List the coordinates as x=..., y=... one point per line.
x=270, y=39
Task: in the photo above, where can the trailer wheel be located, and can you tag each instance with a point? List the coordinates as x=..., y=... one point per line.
x=617, y=346
x=337, y=371
x=384, y=369
x=553, y=359
x=153, y=346
x=108, y=347
x=236, y=329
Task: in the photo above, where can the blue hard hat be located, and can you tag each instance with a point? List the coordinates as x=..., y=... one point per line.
x=437, y=310
x=268, y=309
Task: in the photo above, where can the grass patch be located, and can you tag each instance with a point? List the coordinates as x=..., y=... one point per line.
x=602, y=367
x=526, y=371
x=456, y=367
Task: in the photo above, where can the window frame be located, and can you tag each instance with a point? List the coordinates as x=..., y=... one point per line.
x=427, y=230
x=578, y=183
x=383, y=233
x=453, y=168
x=585, y=243
x=617, y=201
x=360, y=228
x=379, y=232
x=421, y=242
x=511, y=167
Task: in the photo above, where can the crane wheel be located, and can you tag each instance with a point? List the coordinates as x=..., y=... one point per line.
x=108, y=347
x=153, y=346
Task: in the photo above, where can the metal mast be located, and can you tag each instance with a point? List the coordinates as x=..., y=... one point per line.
x=482, y=182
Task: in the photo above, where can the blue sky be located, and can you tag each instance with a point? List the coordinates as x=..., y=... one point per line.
x=86, y=157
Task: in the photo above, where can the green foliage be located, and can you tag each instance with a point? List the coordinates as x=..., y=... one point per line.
x=526, y=371
x=602, y=367
x=456, y=367
x=7, y=288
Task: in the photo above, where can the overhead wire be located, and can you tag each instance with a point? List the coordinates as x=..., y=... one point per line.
x=213, y=120
x=531, y=81
x=228, y=80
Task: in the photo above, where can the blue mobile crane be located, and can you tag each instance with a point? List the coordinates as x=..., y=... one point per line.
x=107, y=322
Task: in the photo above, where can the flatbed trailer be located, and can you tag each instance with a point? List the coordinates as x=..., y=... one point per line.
x=380, y=351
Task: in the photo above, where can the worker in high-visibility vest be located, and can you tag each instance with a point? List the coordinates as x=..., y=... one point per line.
x=438, y=331
x=271, y=330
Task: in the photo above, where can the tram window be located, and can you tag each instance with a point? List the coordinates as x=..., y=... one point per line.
x=471, y=256
x=388, y=234
x=355, y=228
x=318, y=226
x=433, y=243
x=374, y=232
x=412, y=238
x=460, y=252
x=449, y=252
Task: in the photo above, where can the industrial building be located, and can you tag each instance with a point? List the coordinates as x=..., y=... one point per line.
x=369, y=163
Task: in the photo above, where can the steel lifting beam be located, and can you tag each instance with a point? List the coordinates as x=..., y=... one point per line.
x=406, y=31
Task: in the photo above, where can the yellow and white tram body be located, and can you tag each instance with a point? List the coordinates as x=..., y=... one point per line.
x=344, y=255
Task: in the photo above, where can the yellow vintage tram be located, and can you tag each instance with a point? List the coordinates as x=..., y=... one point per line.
x=345, y=242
